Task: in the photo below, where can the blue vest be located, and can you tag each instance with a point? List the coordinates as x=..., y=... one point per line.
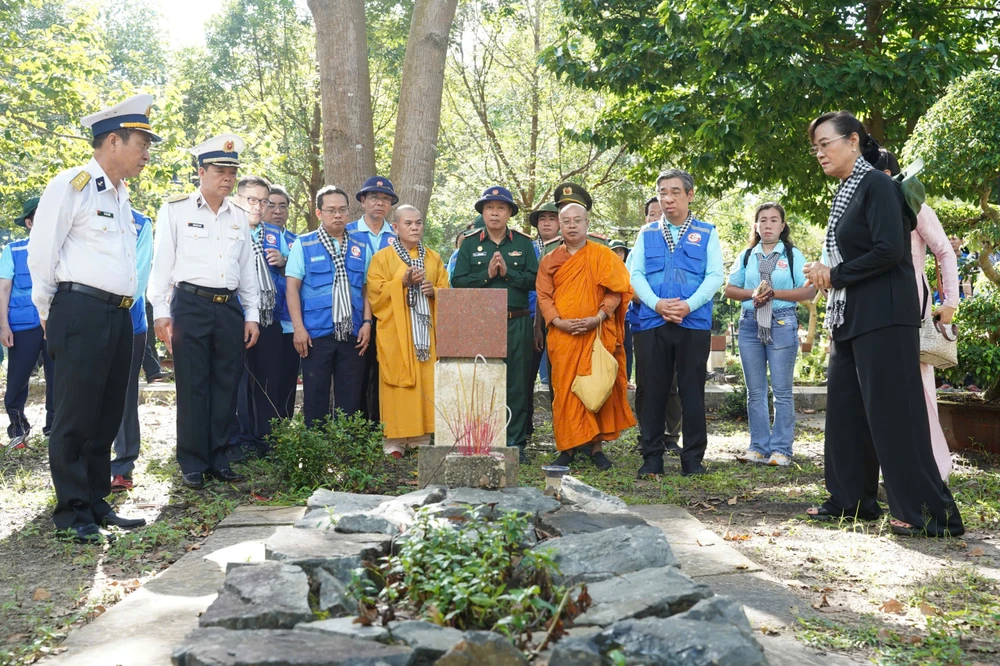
x=270, y=239
x=676, y=274
x=317, y=287
x=22, y=314
x=386, y=238
x=289, y=238
x=138, y=309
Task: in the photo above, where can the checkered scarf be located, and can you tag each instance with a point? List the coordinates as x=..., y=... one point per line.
x=343, y=324
x=668, y=237
x=265, y=285
x=420, y=307
x=836, y=300
x=765, y=266
x=539, y=246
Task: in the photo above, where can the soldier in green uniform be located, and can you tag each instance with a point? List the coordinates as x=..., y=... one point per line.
x=499, y=257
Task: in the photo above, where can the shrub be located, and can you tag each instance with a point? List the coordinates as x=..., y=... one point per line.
x=978, y=320
x=342, y=453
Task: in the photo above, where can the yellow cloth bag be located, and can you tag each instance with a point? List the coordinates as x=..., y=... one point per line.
x=594, y=389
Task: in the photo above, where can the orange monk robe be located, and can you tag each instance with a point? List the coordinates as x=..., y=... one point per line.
x=406, y=385
x=572, y=286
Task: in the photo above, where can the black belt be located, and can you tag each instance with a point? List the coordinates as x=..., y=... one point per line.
x=124, y=302
x=514, y=314
x=214, y=295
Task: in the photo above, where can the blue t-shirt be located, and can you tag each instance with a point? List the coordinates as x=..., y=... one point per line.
x=781, y=277
x=7, y=264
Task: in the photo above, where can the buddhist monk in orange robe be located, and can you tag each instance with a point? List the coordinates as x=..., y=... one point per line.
x=584, y=287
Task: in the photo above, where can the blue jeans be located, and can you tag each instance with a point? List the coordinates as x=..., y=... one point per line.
x=780, y=356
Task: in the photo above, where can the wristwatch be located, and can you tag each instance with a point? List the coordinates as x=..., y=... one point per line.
x=367, y=321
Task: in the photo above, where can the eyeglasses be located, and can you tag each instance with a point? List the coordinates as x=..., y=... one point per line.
x=335, y=211
x=381, y=198
x=823, y=145
x=281, y=207
x=254, y=201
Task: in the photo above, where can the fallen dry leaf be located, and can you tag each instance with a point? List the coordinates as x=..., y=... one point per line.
x=768, y=631
x=192, y=546
x=731, y=501
x=742, y=566
x=794, y=492
x=729, y=536
x=927, y=609
x=776, y=533
x=705, y=543
x=892, y=606
x=884, y=635
x=977, y=551
x=822, y=603
x=41, y=594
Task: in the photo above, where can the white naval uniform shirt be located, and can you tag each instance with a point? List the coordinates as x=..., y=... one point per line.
x=206, y=249
x=82, y=235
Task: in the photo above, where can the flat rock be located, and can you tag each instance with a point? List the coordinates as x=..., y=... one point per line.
x=679, y=641
x=659, y=592
x=577, y=651
x=282, y=647
x=590, y=499
x=522, y=499
x=419, y=498
x=721, y=610
x=332, y=596
x=600, y=555
x=267, y=595
x=428, y=640
x=366, y=523
x=346, y=626
x=342, y=503
x=568, y=521
x=339, y=554
x=483, y=648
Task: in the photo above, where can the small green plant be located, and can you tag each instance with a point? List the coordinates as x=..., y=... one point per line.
x=342, y=453
x=812, y=364
x=474, y=573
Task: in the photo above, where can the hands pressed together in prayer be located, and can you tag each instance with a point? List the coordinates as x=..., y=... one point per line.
x=497, y=266
x=673, y=309
x=414, y=276
x=818, y=275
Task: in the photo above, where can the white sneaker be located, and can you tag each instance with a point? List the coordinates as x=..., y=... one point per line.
x=779, y=460
x=751, y=456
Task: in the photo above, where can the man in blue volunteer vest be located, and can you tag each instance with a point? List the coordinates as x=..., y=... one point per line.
x=127, y=441
x=21, y=332
x=277, y=216
x=259, y=399
x=676, y=268
x=377, y=197
x=326, y=276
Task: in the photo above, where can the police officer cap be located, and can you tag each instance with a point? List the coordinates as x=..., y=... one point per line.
x=132, y=114
x=567, y=193
x=497, y=193
x=378, y=184
x=547, y=207
x=27, y=210
x=223, y=150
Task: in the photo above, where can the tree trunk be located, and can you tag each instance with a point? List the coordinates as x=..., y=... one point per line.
x=315, y=166
x=414, y=148
x=348, y=135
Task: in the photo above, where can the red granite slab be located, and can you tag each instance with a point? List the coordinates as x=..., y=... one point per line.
x=471, y=322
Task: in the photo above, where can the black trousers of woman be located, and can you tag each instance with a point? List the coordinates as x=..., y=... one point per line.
x=876, y=415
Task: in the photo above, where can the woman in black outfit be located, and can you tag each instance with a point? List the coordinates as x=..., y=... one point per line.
x=875, y=406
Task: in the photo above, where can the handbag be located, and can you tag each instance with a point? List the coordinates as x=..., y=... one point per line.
x=594, y=389
x=938, y=341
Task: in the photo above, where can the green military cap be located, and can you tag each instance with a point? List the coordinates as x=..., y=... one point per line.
x=27, y=210
x=567, y=193
x=547, y=207
x=616, y=244
x=479, y=223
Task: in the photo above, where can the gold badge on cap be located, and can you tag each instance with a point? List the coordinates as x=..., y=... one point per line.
x=228, y=146
x=567, y=190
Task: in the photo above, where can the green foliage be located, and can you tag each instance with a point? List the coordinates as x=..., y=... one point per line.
x=475, y=573
x=726, y=89
x=812, y=365
x=342, y=453
x=978, y=320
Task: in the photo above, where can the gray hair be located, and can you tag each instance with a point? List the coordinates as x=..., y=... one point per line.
x=685, y=177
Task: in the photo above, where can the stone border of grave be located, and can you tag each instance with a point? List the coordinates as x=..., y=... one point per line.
x=644, y=609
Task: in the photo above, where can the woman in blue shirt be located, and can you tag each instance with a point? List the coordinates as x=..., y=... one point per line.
x=767, y=277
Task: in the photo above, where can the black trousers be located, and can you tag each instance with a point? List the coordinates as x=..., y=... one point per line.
x=369, y=381
x=340, y=362
x=260, y=398
x=674, y=415
x=288, y=380
x=90, y=343
x=876, y=415
x=150, y=360
x=664, y=351
x=127, y=440
x=208, y=358
x=536, y=363
x=22, y=358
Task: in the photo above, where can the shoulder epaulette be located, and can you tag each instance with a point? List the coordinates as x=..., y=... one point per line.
x=469, y=232
x=518, y=231
x=557, y=239
x=599, y=236
x=80, y=181
x=177, y=197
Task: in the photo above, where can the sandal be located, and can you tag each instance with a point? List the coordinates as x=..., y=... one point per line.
x=899, y=528
x=825, y=513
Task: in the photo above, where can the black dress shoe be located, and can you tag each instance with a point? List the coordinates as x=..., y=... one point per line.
x=694, y=470
x=114, y=520
x=564, y=459
x=86, y=534
x=651, y=465
x=672, y=448
x=225, y=474
x=193, y=480
x=601, y=461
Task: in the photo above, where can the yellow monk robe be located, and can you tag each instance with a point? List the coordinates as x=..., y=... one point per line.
x=406, y=385
x=573, y=286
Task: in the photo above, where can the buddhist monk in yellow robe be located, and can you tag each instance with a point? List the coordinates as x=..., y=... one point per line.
x=583, y=287
x=402, y=298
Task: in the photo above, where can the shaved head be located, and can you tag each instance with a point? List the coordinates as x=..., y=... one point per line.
x=573, y=223
x=572, y=208
x=409, y=225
